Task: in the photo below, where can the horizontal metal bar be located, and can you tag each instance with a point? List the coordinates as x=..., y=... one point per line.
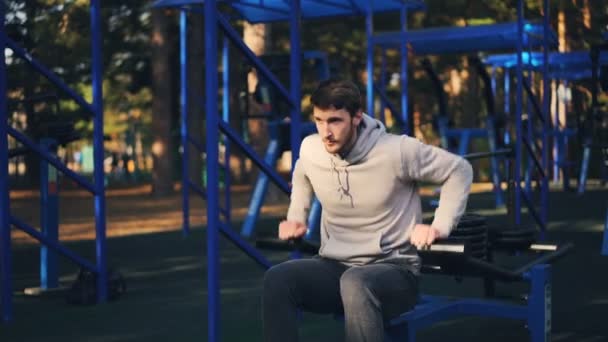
x=51, y=244
x=244, y=246
x=333, y=4
x=52, y=160
x=49, y=75
x=492, y=309
x=259, y=162
x=427, y=314
x=264, y=7
x=547, y=258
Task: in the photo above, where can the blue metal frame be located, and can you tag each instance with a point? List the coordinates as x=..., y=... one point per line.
x=5, y=229
x=372, y=86
x=213, y=19
x=226, y=117
x=466, y=39
x=98, y=186
x=525, y=145
x=536, y=313
x=605, y=242
x=261, y=11
x=185, y=142
x=489, y=37
x=564, y=66
x=49, y=220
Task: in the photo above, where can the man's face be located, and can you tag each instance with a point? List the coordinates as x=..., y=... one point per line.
x=336, y=127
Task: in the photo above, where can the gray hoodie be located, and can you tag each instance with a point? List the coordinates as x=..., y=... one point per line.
x=370, y=197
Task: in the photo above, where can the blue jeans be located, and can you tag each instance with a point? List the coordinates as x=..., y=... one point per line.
x=368, y=295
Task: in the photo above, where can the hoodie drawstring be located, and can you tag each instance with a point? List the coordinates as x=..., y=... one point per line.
x=344, y=191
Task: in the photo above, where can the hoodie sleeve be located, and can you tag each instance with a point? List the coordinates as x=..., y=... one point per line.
x=421, y=162
x=301, y=195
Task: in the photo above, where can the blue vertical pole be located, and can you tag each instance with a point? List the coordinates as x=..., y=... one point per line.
x=539, y=304
x=556, y=148
x=493, y=80
x=382, y=85
x=213, y=213
x=605, y=243
x=98, y=173
x=531, y=136
x=295, y=61
x=518, y=112
x=5, y=230
x=183, y=60
x=49, y=220
x=369, y=31
x=544, y=199
x=491, y=124
x=404, y=80
x=226, y=118
x=507, y=81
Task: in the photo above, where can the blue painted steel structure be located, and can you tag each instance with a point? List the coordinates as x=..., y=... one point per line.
x=5, y=229
x=519, y=35
x=605, y=242
x=567, y=67
x=275, y=149
x=260, y=11
x=535, y=314
x=96, y=188
x=467, y=39
x=49, y=219
x=401, y=114
x=254, y=11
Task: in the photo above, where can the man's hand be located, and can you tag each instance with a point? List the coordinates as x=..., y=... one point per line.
x=423, y=236
x=291, y=230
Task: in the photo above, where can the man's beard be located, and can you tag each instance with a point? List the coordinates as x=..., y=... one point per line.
x=349, y=142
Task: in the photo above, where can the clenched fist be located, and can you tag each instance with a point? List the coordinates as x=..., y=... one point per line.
x=423, y=236
x=291, y=230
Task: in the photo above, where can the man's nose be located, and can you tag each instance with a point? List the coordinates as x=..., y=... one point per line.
x=324, y=131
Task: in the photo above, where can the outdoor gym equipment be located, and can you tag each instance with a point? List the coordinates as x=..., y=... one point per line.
x=97, y=187
x=517, y=36
x=470, y=251
x=458, y=140
x=280, y=133
x=569, y=67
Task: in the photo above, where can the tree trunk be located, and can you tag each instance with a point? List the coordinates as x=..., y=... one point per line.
x=162, y=179
x=256, y=38
x=196, y=87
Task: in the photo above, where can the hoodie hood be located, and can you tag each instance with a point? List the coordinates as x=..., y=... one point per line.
x=368, y=133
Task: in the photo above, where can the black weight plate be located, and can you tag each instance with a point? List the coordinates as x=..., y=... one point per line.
x=467, y=231
x=471, y=220
x=468, y=238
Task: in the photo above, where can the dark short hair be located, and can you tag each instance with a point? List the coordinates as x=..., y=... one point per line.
x=338, y=94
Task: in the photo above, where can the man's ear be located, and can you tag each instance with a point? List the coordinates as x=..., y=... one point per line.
x=358, y=117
